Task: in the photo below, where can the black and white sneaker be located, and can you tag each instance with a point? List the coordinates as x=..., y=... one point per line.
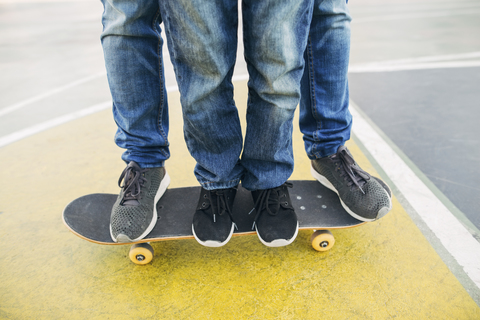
x=213, y=224
x=364, y=197
x=275, y=220
x=134, y=214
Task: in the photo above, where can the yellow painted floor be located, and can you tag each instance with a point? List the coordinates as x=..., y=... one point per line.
x=381, y=270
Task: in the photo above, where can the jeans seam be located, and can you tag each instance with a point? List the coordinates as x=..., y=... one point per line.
x=313, y=104
x=162, y=84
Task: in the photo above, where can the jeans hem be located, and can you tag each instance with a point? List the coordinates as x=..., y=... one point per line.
x=220, y=185
x=324, y=153
x=144, y=165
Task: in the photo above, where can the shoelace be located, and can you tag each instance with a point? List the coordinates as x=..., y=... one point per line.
x=264, y=201
x=347, y=167
x=222, y=204
x=133, y=180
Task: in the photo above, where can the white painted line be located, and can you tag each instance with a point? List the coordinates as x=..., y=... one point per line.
x=40, y=1
x=451, y=233
x=5, y=140
x=419, y=15
x=413, y=66
x=18, y=135
x=49, y=93
x=444, y=57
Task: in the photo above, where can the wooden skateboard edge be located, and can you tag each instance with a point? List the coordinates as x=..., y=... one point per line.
x=146, y=240
x=188, y=234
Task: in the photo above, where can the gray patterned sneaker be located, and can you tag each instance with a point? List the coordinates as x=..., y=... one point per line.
x=213, y=224
x=134, y=214
x=275, y=220
x=364, y=198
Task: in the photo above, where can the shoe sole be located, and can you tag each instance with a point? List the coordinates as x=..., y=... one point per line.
x=278, y=242
x=122, y=238
x=324, y=181
x=213, y=243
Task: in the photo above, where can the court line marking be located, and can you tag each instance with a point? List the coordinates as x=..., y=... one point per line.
x=41, y=1
x=380, y=66
x=24, y=133
x=18, y=135
x=450, y=5
x=453, y=236
x=49, y=93
x=444, y=57
x=393, y=65
x=421, y=15
x=412, y=66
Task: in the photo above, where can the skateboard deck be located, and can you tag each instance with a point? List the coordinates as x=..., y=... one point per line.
x=317, y=208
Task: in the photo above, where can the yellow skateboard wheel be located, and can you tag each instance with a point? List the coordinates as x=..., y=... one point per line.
x=141, y=253
x=322, y=240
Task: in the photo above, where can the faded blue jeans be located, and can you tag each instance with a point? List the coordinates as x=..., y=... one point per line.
x=132, y=47
x=133, y=56
x=325, y=120
x=202, y=39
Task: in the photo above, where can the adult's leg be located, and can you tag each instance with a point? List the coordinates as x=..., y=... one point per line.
x=325, y=120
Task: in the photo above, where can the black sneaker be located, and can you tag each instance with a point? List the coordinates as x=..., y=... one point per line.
x=275, y=221
x=134, y=214
x=364, y=197
x=213, y=224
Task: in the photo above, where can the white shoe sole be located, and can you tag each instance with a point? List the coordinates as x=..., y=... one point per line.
x=278, y=242
x=121, y=238
x=324, y=181
x=213, y=243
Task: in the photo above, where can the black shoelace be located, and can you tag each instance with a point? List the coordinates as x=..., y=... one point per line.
x=267, y=199
x=133, y=179
x=221, y=207
x=345, y=163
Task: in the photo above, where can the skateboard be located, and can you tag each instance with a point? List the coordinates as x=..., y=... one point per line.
x=317, y=208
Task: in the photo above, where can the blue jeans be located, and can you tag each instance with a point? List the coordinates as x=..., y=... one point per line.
x=132, y=48
x=202, y=38
x=204, y=65
x=325, y=120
